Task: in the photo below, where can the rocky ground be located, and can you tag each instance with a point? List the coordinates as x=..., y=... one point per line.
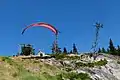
x=110, y=71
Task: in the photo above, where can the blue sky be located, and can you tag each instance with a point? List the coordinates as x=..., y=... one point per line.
x=74, y=18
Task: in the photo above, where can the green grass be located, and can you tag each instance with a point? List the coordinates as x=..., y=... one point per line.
x=93, y=64
x=8, y=60
x=73, y=76
x=62, y=56
x=101, y=63
x=16, y=69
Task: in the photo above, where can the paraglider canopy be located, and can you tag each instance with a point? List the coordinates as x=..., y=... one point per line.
x=45, y=25
x=42, y=24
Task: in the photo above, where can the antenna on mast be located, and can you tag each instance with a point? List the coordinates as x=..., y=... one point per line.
x=95, y=44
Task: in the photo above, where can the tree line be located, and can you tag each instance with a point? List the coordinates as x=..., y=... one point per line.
x=27, y=49
x=65, y=51
x=111, y=49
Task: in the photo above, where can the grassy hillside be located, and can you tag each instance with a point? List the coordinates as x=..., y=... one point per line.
x=19, y=69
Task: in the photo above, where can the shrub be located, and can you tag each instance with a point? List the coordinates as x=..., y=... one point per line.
x=59, y=77
x=90, y=64
x=58, y=56
x=73, y=57
x=68, y=69
x=15, y=74
x=8, y=60
x=101, y=62
x=75, y=76
x=118, y=62
x=98, y=63
x=80, y=64
x=83, y=76
x=36, y=61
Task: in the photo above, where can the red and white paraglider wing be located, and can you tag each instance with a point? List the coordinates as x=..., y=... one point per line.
x=41, y=24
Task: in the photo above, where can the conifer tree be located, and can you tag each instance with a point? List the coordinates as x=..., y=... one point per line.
x=71, y=52
x=99, y=51
x=27, y=50
x=111, y=47
x=103, y=50
x=75, y=49
x=65, y=50
x=108, y=50
x=118, y=50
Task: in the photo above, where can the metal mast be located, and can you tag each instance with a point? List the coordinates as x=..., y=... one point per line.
x=55, y=47
x=56, y=43
x=95, y=44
